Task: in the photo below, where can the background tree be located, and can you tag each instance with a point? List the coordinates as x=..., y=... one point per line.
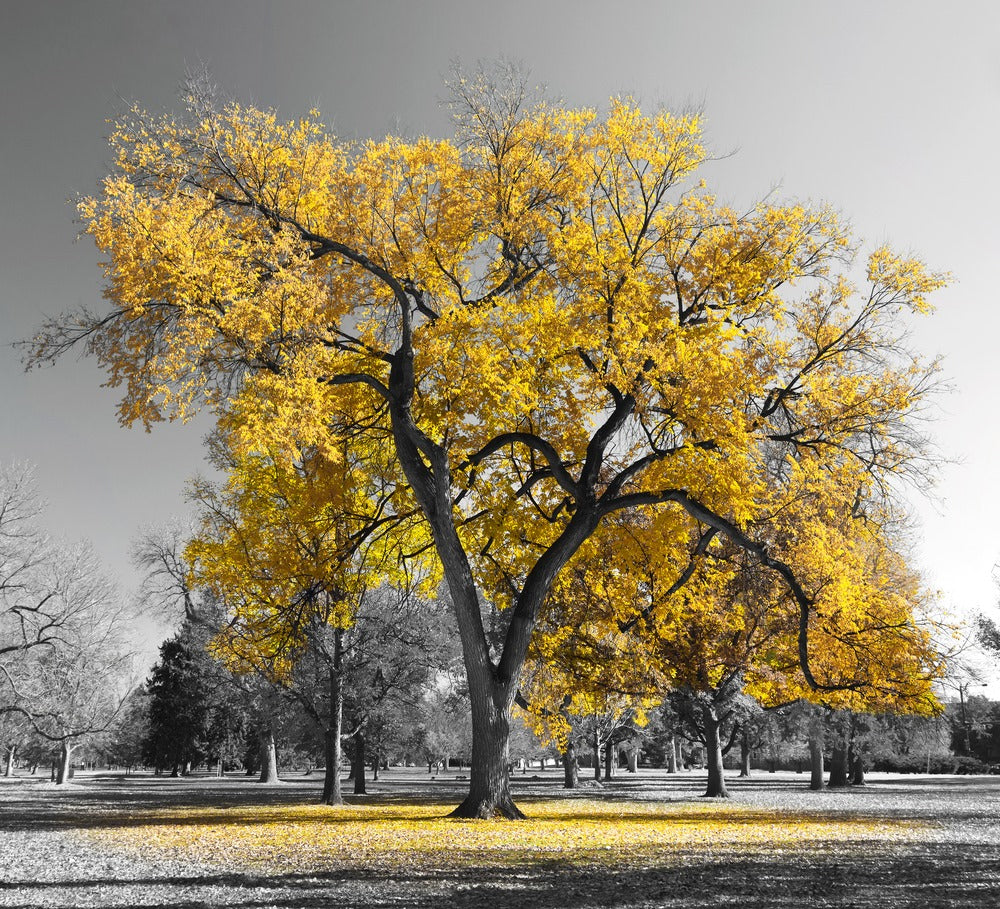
x=196, y=709
x=298, y=552
x=548, y=316
x=123, y=743
x=72, y=689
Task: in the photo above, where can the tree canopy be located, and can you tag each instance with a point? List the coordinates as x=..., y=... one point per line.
x=547, y=318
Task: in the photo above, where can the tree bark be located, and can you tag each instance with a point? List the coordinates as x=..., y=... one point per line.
x=571, y=768
x=745, y=753
x=359, y=763
x=332, y=792
x=609, y=760
x=268, y=756
x=713, y=753
x=595, y=745
x=858, y=769
x=838, y=767
x=633, y=760
x=672, y=755
x=816, y=753
x=62, y=770
x=11, y=752
x=489, y=777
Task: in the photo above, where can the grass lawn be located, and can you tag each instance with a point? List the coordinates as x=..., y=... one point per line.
x=641, y=841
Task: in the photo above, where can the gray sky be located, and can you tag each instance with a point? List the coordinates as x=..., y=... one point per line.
x=889, y=111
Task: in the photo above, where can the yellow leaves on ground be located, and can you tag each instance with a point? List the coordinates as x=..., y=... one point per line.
x=418, y=836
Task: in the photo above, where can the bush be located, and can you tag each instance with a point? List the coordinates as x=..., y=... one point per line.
x=913, y=763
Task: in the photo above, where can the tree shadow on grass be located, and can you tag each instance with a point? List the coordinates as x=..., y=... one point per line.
x=932, y=877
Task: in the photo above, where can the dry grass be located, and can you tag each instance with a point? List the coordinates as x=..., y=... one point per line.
x=648, y=842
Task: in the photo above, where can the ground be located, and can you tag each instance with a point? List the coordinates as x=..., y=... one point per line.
x=642, y=841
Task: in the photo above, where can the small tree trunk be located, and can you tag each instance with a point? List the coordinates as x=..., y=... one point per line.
x=359, y=764
x=62, y=770
x=571, y=769
x=609, y=761
x=377, y=762
x=633, y=760
x=672, y=755
x=745, y=753
x=9, y=769
x=596, y=748
x=268, y=756
x=713, y=753
x=332, y=792
x=816, y=755
x=838, y=767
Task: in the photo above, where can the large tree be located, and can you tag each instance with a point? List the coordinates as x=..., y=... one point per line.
x=548, y=316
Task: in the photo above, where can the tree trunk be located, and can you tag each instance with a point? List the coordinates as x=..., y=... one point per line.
x=633, y=760
x=332, y=792
x=571, y=769
x=609, y=761
x=858, y=769
x=745, y=753
x=816, y=754
x=489, y=777
x=62, y=771
x=359, y=764
x=11, y=752
x=492, y=686
x=713, y=753
x=838, y=767
x=268, y=756
x=595, y=746
x=672, y=755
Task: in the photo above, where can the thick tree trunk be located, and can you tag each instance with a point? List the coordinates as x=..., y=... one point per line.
x=858, y=769
x=62, y=770
x=633, y=760
x=489, y=777
x=838, y=767
x=816, y=754
x=571, y=768
x=492, y=686
x=609, y=761
x=359, y=763
x=713, y=753
x=268, y=756
x=332, y=791
x=9, y=768
x=672, y=755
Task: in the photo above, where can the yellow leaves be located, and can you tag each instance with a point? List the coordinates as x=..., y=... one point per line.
x=416, y=835
x=541, y=271
x=906, y=280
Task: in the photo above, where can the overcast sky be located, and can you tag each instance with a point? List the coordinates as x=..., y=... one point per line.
x=888, y=111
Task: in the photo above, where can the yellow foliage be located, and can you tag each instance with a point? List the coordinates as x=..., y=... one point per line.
x=417, y=836
x=549, y=321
